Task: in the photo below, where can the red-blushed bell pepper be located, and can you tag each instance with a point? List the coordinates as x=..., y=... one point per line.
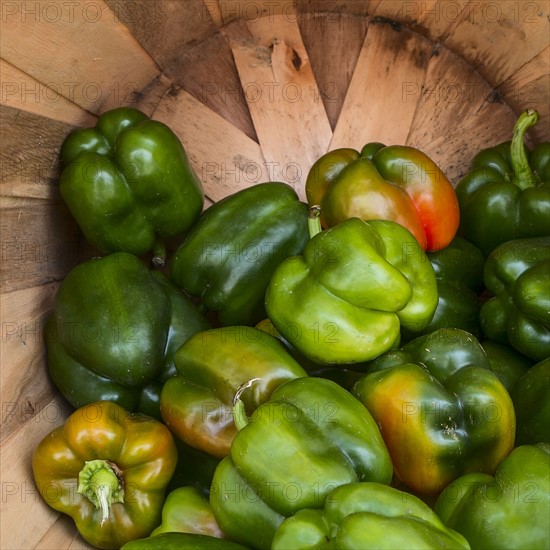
x=108, y=469
x=507, y=511
x=396, y=182
x=197, y=403
x=441, y=410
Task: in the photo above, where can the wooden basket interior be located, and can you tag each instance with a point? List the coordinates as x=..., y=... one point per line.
x=256, y=91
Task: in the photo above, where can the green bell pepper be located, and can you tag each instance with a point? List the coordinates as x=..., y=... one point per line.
x=197, y=403
x=508, y=511
x=114, y=330
x=459, y=274
x=128, y=183
x=228, y=257
x=182, y=541
x=518, y=275
x=531, y=397
x=188, y=510
x=441, y=410
x=310, y=437
x=345, y=300
x=506, y=362
x=506, y=193
x=365, y=515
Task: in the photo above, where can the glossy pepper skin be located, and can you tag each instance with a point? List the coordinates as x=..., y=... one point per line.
x=346, y=298
x=108, y=469
x=506, y=193
x=531, y=398
x=228, y=257
x=396, y=182
x=441, y=410
x=187, y=510
x=458, y=271
x=310, y=437
x=113, y=332
x=197, y=403
x=182, y=541
x=518, y=275
x=367, y=515
x=128, y=182
x=510, y=510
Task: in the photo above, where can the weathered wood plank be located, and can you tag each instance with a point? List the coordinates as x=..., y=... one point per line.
x=363, y=7
x=63, y=535
x=22, y=508
x=224, y=158
x=225, y=11
x=208, y=73
x=78, y=48
x=529, y=88
x=324, y=37
x=498, y=38
x=22, y=91
x=30, y=153
x=283, y=97
x=376, y=107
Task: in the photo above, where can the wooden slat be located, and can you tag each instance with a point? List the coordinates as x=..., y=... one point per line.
x=166, y=29
x=453, y=94
x=497, y=38
x=375, y=109
x=216, y=82
x=224, y=158
x=322, y=37
x=364, y=7
x=529, y=88
x=79, y=48
x=283, y=97
x=25, y=387
x=25, y=517
x=29, y=154
x=63, y=535
x=40, y=243
x=22, y=91
x=225, y=11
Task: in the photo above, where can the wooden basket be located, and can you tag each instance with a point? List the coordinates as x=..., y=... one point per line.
x=256, y=90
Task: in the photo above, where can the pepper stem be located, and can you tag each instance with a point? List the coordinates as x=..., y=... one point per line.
x=159, y=254
x=523, y=175
x=314, y=220
x=239, y=414
x=100, y=482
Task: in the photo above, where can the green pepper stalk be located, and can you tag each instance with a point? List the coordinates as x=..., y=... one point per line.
x=523, y=175
x=239, y=414
x=101, y=483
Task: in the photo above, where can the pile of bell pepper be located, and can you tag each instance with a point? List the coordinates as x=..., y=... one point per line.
x=367, y=370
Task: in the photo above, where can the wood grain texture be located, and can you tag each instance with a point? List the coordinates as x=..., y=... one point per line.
x=80, y=49
x=226, y=11
x=62, y=535
x=377, y=107
x=324, y=38
x=290, y=120
x=224, y=158
x=22, y=508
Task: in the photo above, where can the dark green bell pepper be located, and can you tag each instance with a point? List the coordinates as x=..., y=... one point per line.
x=367, y=515
x=128, y=183
x=113, y=332
x=441, y=410
x=458, y=271
x=182, y=541
x=506, y=362
x=506, y=193
x=531, y=397
x=346, y=298
x=310, y=437
x=230, y=254
x=197, y=403
x=518, y=275
x=508, y=511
